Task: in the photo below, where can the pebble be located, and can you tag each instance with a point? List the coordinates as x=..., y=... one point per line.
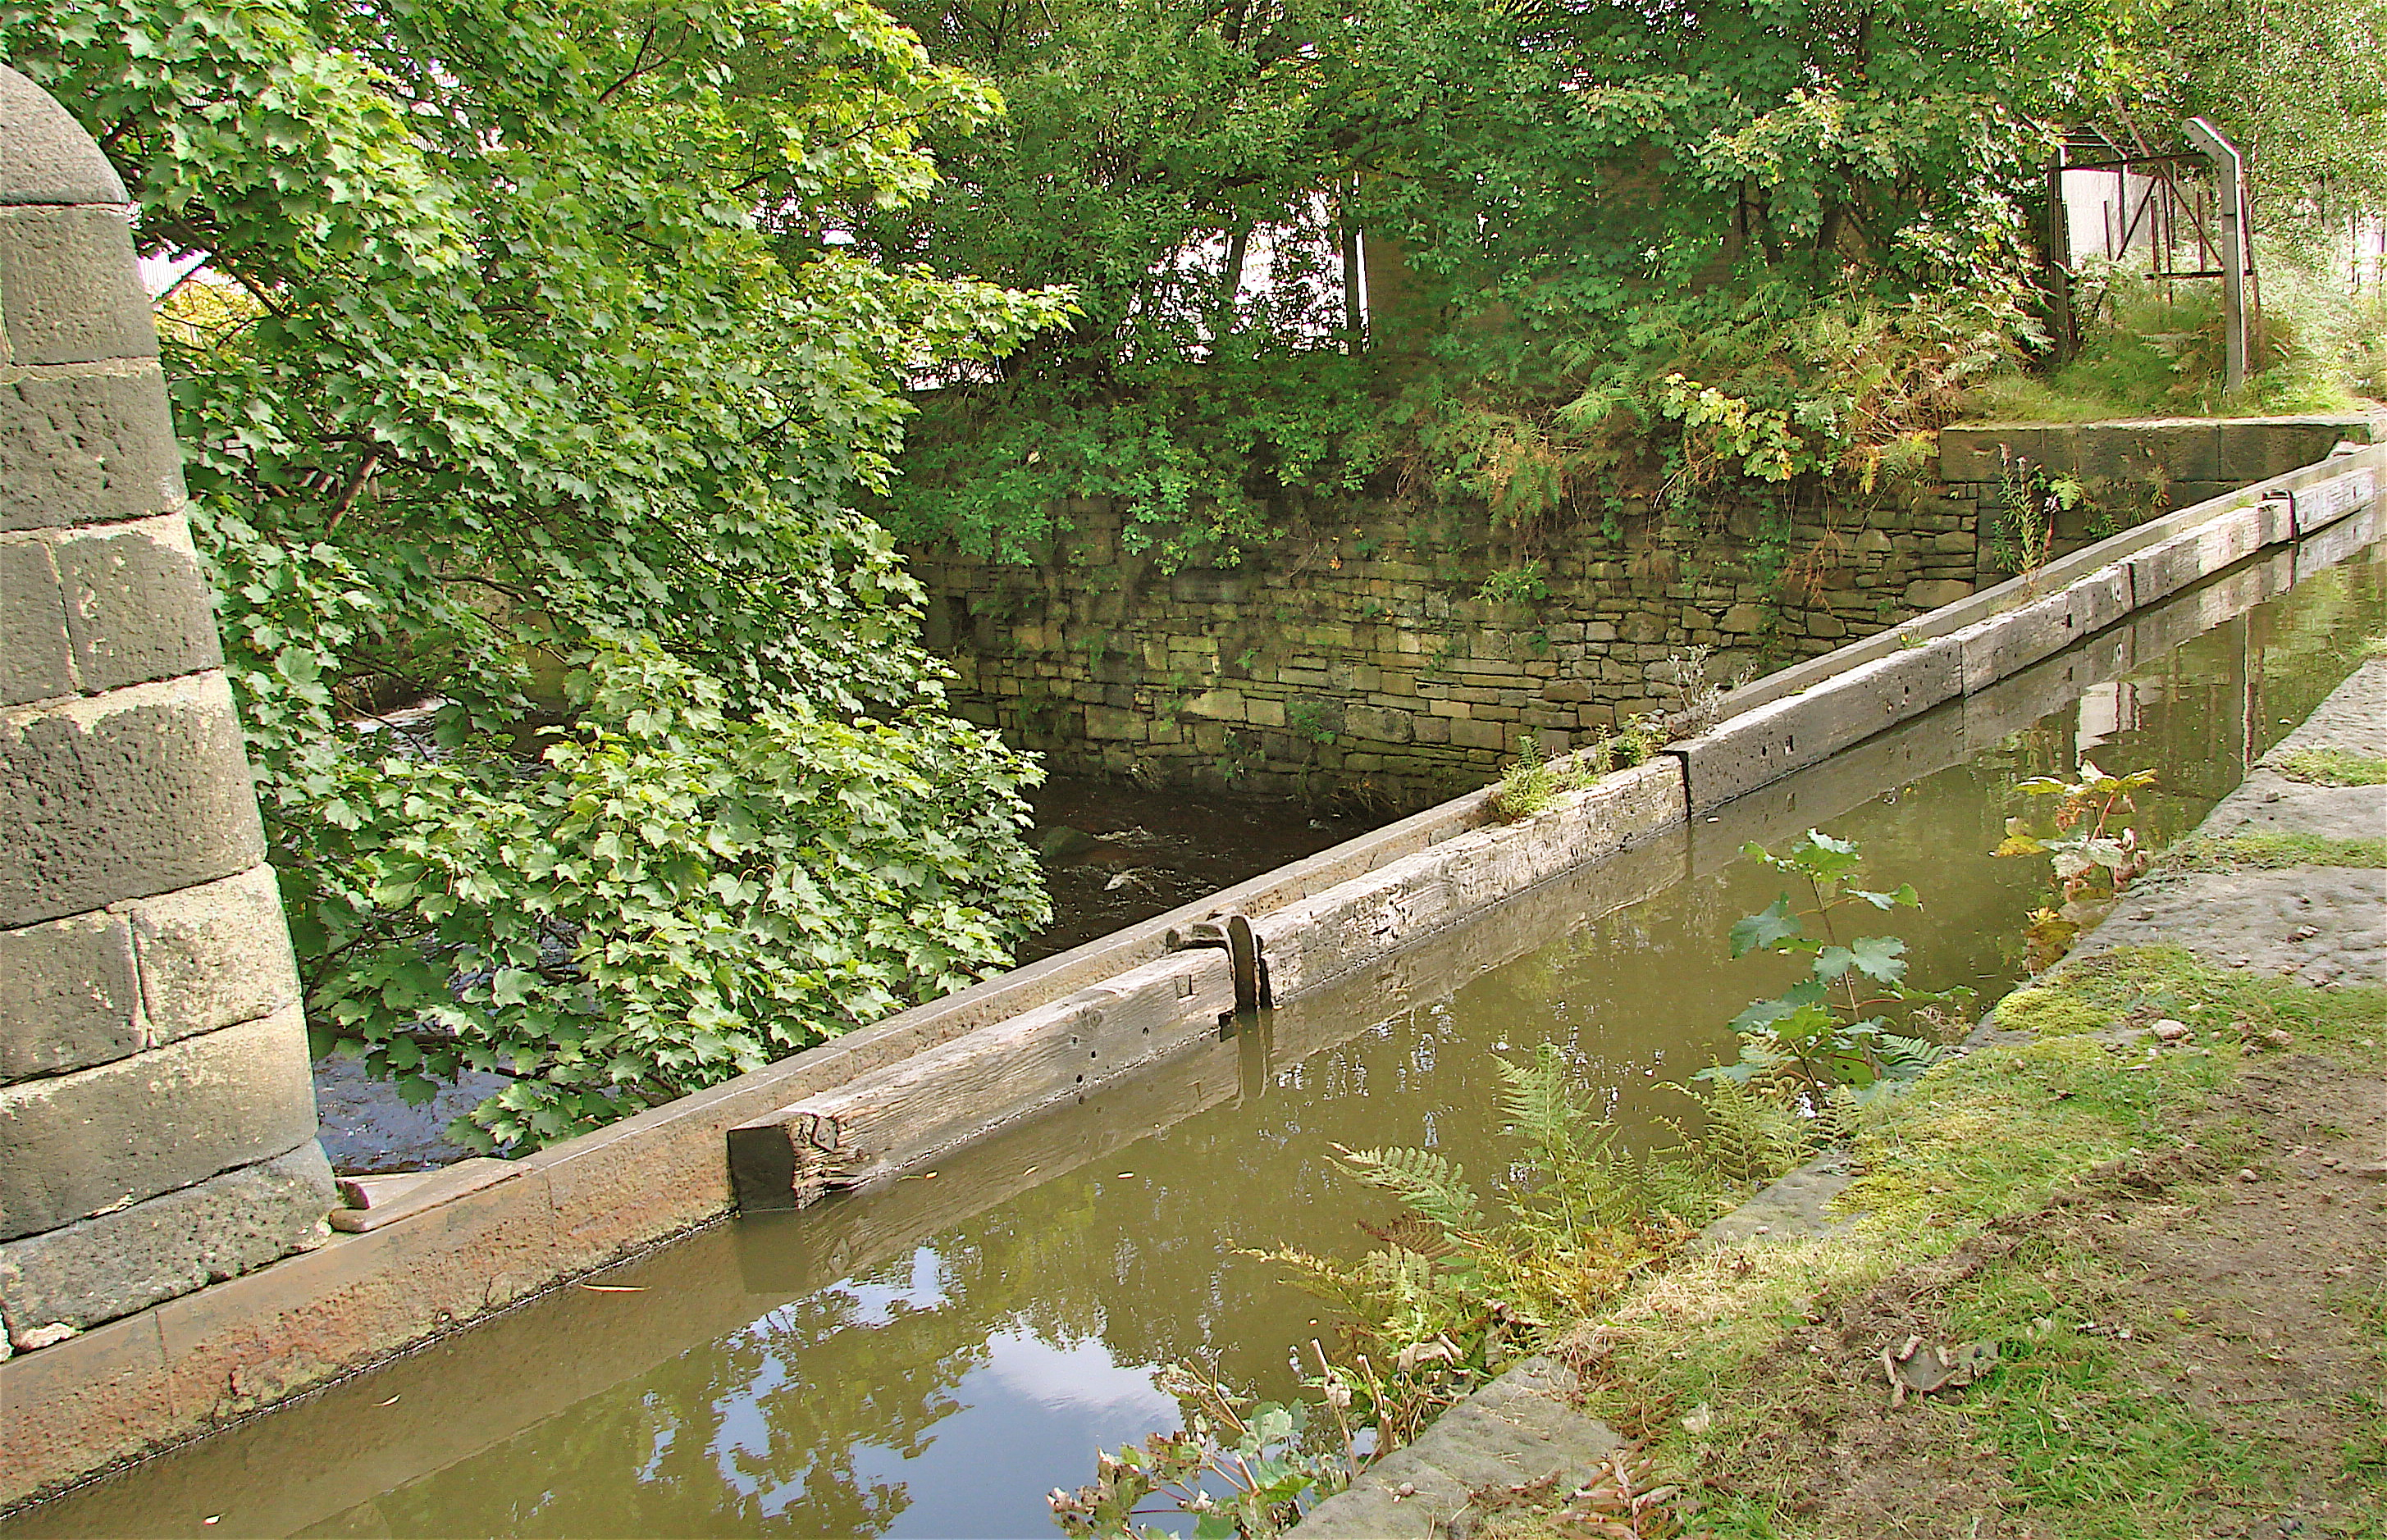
x=2170, y=1031
x=43, y=1336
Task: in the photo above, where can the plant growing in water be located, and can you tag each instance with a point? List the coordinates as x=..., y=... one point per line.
x=1824, y=1032
x=1260, y=1452
x=2094, y=850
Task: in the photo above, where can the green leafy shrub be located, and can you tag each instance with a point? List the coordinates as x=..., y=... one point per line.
x=521, y=387
x=675, y=896
x=1818, y=1037
x=1531, y=785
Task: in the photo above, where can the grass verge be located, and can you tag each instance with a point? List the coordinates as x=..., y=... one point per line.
x=2169, y=1240
x=2270, y=849
x=2334, y=767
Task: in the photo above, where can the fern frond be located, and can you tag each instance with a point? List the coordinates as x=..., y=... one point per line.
x=1541, y=1106
x=1433, y=1186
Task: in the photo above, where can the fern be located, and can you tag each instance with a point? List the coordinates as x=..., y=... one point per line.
x=1433, y=1186
x=1749, y=1136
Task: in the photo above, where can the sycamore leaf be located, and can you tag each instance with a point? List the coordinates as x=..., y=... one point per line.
x=1767, y=930
x=1880, y=957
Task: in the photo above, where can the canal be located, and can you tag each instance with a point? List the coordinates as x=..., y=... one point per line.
x=930, y=1358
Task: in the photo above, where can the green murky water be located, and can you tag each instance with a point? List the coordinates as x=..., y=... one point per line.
x=931, y=1358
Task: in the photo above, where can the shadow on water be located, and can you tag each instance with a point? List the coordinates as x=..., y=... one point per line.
x=929, y=1357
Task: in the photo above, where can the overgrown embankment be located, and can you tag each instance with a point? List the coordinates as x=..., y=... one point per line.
x=2146, y=1218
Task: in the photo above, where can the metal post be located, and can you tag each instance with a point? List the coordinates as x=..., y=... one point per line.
x=2230, y=167
x=2059, y=264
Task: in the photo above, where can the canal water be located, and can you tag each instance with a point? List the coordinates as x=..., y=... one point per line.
x=930, y=1358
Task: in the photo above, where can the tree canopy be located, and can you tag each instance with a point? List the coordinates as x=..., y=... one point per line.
x=1617, y=249
x=517, y=378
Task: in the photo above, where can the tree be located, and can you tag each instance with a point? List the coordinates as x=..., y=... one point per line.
x=516, y=378
x=1601, y=222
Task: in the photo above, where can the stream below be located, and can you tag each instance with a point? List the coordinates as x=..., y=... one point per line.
x=930, y=1357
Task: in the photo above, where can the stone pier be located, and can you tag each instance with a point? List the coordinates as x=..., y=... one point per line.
x=157, y=1117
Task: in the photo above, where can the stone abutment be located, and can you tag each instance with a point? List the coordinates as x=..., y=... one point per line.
x=157, y=1117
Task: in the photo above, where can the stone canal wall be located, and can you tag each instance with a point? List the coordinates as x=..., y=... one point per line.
x=1394, y=662
x=157, y=1115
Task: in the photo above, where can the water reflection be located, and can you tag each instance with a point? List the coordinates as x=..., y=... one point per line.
x=928, y=1358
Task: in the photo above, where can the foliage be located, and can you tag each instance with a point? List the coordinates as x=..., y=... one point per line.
x=518, y=382
x=1816, y=1037
x=1609, y=260
x=1515, y=585
x=1637, y=738
x=1699, y=702
x=1530, y=785
x=2301, y=87
x=2094, y=850
x=678, y=896
x=1457, y=1287
x=1260, y=1452
x=2028, y=502
x=2151, y=350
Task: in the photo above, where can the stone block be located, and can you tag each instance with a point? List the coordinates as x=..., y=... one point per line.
x=2331, y=499
x=1224, y=705
x=1262, y=710
x=137, y=608
x=140, y=791
x=1930, y=594
x=34, y=655
x=73, y=1145
x=1744, y=619
x=1479, y=735
x=2007, y=643
x=86, y=448
x=68, y=290
x=97, y=1270
x=1374, y=724
x=49, y=156
x=1113, y=723
x=1972, y=453
x=2173, y=564
x=2252, y=450
x=90, y=1400
x=212, y=955
x=67, y=999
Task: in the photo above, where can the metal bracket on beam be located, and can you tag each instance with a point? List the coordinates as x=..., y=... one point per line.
x=1233, y=933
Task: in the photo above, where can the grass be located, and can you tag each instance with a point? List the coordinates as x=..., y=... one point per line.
x=2334, y=767
x=1706, y=1363
x=2319, y=350
x=2270, y=849
x=1531, y=785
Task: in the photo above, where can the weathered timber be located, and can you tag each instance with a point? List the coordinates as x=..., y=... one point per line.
x=965, y=1089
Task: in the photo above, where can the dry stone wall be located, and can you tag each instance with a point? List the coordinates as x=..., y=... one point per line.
x=1396, y=664
x=1392, y=664
x=156, y=1114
